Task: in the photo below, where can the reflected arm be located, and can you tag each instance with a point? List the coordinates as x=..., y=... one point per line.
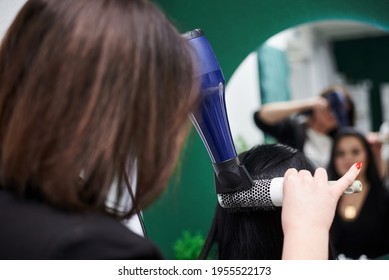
x=272, y=113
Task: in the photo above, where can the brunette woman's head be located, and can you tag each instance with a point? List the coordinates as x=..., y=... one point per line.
x=92, y=87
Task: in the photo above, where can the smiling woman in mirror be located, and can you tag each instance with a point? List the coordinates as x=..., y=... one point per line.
x=360, y=228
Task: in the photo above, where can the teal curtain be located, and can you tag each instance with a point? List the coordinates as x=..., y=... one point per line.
x=273, y=74
x=273, y=77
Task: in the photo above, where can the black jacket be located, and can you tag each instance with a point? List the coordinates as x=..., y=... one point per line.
x=291, y=131
x=31, y=229
x=368, y=234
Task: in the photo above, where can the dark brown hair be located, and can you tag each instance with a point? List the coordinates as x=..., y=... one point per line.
x=93, y=87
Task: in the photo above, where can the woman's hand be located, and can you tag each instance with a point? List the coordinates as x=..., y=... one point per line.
x=308, y=210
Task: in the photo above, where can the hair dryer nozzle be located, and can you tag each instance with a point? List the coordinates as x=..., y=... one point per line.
x=231, y=176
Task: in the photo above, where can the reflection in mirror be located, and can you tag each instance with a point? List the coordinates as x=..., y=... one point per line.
x=301, y=61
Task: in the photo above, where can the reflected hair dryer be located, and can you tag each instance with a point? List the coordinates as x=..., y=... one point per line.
x=338, y=105
x=234, y=186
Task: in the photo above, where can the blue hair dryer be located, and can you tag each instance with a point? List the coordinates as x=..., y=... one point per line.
x=211, y=120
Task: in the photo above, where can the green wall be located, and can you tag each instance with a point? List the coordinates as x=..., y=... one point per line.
x=234, y=28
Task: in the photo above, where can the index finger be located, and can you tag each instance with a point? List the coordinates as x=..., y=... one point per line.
x=347, y=179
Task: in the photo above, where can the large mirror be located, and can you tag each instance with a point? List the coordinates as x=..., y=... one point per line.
x=300, y=61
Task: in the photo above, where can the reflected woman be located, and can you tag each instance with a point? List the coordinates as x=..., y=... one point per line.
x=361, y=225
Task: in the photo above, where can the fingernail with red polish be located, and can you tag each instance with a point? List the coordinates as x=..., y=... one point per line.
x=358, y=165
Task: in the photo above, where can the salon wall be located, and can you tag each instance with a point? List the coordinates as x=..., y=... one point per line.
x=234, y=29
